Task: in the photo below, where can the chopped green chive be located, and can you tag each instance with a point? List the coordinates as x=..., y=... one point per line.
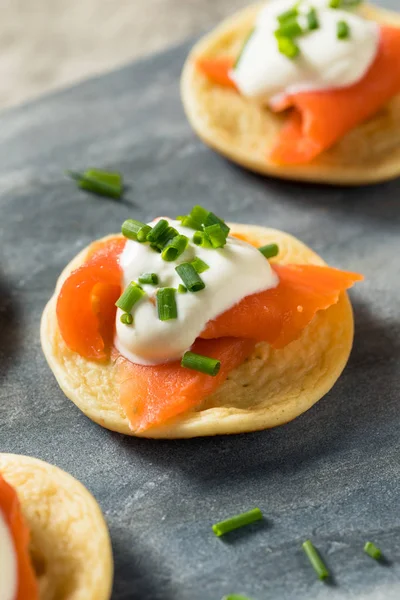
x=270, y=250
x=190, y=277
x=373, y=551
x=235, y=597
x=288, y=47
x=104, y=183
x=289, y=29
x=182, y=289
x=149, y=278
x=246, y=41
x=212, y=219
x=175, y=248
x=129, y=297
x=165, y=237
x=199, y=265
x=335, y=3
x=199, y=218
x=343, y=30
x=133, y=229
x=126, y=319
x=288, y=14
x=216, y=235
x=201, y=239
x=312, y=19
x=166, y=304
x=237, y=521
x=158, y=229
x=204, y=364
x=315, y=560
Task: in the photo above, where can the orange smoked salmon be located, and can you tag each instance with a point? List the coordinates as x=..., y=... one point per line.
x=150, y=395
x=10, y=509
x=317, y=120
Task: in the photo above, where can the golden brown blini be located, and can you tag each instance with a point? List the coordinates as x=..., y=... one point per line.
x=245, y=132
x=271, y=388
x=70, y=545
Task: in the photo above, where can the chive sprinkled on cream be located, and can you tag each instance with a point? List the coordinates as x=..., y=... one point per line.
x=312, y=19
x=335, y=3
x=204, y=364
x=199, y=265
x=288, y=15
x=269, y=250
x=175, y=248
x=157, y=231
x=343, y=30
x=216, y=235
x=373, y=551
x=126, y=319
x=104, y=183
x=166, y=304
x=129, y=297
x=315, y=560
x=182, y=289
x=289, y=29
x=200, y=238
x=149, y=278
x=199, y=218
x=190, y=277
x=288, y=47
x=237, y=521
x=133, y=229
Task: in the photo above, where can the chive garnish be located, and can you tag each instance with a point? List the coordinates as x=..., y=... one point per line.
x=182, y=289
x=235, y=597
x=166, y=304
x=190, y=277
x=212, y=219
x=312, y=19
x=199, y=265
x=126, y=319
x=204, y=364
x=199, y=217
x=201, y=239
x=342, y=30
x=288, y=47
x=175, y=248
x=133, y=229
x=158, y=229
x=237, y=521
x=129, y=297
x=288, y=14
x=315, y=560
x=216, y=235
x=149, y=278
x=289, y=29
x=270, y=250
x=335, y=3
x=104, y=183
x=373, y=551
x=166, y=237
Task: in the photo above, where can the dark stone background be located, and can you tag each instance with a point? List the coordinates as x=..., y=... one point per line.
x=332, y=475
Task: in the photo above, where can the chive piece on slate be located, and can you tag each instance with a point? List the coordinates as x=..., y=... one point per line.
x=204, y=364
x=237, y=521
x=235, y=597
x=149, y=278
x=373, y=551
x=190, y=277
x=315, y=560
x=270, y=250
x=175, y=248
x=129, y=297
x=166, y=304
x=103, y=183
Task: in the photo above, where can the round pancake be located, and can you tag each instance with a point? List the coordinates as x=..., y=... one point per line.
x=70, y=545
x=244, y=132
x=271, y=388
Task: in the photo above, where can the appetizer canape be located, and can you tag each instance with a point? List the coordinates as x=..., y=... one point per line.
x=179, y=328
x=308, y=90
x=54, y=542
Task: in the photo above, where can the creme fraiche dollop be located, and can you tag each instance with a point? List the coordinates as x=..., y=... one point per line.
x=324, y=60
x=234, y=272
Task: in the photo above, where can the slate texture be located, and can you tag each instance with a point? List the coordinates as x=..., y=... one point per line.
x=332, y=475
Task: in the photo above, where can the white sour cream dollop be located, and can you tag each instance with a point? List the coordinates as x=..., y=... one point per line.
x=8, y=563
x=324, y=61
x=235, y=271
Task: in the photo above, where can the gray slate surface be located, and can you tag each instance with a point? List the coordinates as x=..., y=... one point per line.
x=332, y=475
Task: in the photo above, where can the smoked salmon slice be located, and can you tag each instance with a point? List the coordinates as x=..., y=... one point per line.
x=86, y=302
x=10, y=509
x=151, y=395
x=317, y=120
x=279, y=315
